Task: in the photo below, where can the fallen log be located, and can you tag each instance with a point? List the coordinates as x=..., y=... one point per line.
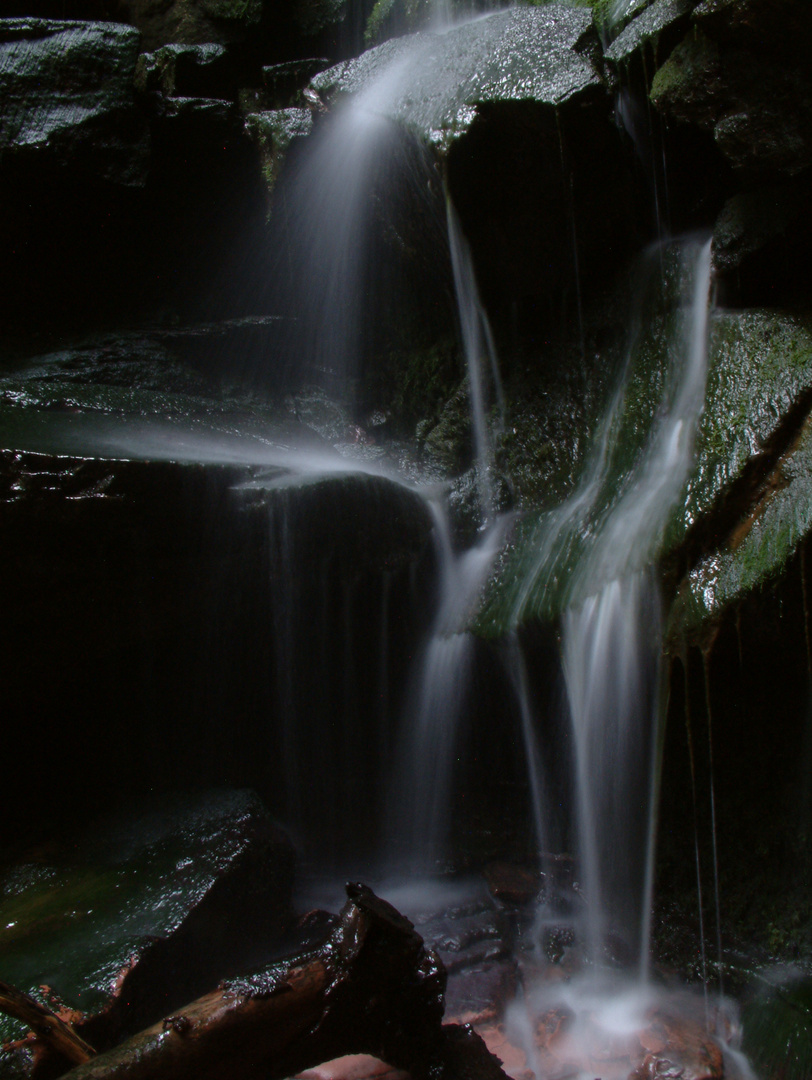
x=371, y=988
x=47, y=1026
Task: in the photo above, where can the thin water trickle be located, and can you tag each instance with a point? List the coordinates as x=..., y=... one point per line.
x=717, y=897
x=689, y=732
x=418, y=819
x=517, y=670
x=481, y=363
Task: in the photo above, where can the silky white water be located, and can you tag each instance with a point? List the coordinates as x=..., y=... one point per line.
x=436, y=703
x=611, y=645
x=611, y=635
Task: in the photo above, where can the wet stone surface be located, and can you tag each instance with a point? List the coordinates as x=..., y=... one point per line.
x=139, y=914
x=539, y=54
x=68, y=97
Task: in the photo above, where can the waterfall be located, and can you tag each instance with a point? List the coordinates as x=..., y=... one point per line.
x=611, y=645
x=594, y=553
x=330, y=278
x=419, y=812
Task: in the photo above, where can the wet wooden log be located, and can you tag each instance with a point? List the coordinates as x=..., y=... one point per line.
x=46, y=1024
x=371, y=988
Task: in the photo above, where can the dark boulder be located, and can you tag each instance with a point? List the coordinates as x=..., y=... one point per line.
x=762, y=244
x=171, y=545
x=260, y=30
x=69, y=100
x=757, y=104
x=113, y=203
x=196, y=23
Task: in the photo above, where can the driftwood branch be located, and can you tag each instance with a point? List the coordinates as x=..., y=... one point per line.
x=372, y=987
x=46, y=1024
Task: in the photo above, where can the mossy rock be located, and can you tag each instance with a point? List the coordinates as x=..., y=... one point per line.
x=757, y=102
x=754, y=470
x=777, y=1025
x=449, y=441
x=416, y=384
x=273, y=131
x=688, y=86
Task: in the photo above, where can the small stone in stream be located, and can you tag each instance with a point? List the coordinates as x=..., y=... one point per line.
x=513, y=884
x=353, y=1067
x=479, y=995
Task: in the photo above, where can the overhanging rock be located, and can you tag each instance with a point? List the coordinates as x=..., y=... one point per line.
x=434, y=83
x=516, y=106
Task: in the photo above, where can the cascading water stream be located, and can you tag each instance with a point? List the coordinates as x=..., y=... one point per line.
x=329, y=278
x=593, y=563
x=435, y=705
x=329, y=204
x=611, y=641
x=611, y=647
x=420, y=810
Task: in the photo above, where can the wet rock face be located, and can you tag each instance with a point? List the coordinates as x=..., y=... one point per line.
x=653, y=28
x=69, y=98
x=732, y=76
x=545, y=55
x=750, y=492
x=106, y=194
